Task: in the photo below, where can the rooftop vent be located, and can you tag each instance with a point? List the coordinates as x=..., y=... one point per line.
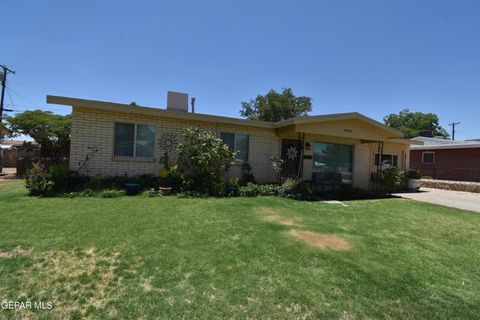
x=177, y=101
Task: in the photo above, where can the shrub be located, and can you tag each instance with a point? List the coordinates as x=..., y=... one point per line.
x=267, y=189
x=87, y=193
x=414, y=174
x=38, y=180
x=303, y=188
x=289, y=185
x=111, y=193
x=250, y=190
x=247, y=175
x=203, y=160
x=392, y=178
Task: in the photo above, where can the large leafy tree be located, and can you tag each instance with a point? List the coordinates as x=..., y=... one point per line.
x=51, y=131
x=413, y=124
x=275, y=106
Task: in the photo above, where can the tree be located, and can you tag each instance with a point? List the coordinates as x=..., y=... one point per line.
x=203, y=160
x=51, y=131
x=276, y=106
x=412, y=124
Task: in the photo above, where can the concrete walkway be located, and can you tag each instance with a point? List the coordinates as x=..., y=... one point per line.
x=454, y=199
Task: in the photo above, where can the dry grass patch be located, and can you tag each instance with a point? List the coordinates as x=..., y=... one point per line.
x=80, y=283
x=17, y=251
x=320, y=241
x=274, y=216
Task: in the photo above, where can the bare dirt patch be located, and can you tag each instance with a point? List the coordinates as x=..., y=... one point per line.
x=274, y=216
x=320, y=241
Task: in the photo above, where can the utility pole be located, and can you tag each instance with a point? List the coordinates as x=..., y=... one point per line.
x=453, y=124
x=5, y=71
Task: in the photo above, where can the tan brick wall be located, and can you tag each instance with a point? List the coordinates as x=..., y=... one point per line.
x=94, y=129
x=361, y=167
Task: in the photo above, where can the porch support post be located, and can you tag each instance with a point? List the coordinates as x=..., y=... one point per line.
x=379, y=166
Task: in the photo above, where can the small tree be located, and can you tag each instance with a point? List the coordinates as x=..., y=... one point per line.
x=203, y=160
x=276, y=106
x=51, y=131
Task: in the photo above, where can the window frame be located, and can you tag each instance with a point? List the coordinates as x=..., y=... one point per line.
x=135, y=125
x=235, y=144
x=375, y=154
x=433, y=158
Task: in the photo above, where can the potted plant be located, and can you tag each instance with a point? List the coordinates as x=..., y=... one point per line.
x=231, y=187
x=413, y=179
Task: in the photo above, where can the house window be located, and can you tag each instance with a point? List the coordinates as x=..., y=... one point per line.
x=388, y=160
x=332, y=158
x=237, y=142
x=428, y=157
x=134, y=140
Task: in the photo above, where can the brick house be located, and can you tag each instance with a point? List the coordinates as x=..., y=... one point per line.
x=446, y=159
x=120, y=139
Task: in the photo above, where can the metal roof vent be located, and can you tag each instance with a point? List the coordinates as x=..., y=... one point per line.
x=177, y=101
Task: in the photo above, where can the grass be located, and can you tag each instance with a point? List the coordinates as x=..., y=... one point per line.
x=135, y=257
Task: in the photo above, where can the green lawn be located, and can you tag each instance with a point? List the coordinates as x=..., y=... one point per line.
x=135, y=257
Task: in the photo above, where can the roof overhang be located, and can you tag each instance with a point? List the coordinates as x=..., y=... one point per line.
x=330, y=124
x=336, y=117
x=447, y=146
x=125, y=108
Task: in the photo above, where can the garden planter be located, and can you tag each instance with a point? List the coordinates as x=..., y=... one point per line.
x=132, y=188
x=414, y=184
x=165, y=190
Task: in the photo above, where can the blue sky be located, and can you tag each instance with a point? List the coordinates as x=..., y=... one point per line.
x=374, y=57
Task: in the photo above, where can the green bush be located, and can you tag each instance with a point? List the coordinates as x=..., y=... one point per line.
x=392, y=178
x=303, y=188
x=414, y=174
x=203, y=160
x=111, y=193
x=250, y=190
x=38, y=181
x=267, y=189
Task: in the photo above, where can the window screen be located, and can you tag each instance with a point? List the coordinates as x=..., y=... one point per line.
x=124, y=139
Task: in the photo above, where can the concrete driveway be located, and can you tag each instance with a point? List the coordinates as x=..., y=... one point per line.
x=454, y=199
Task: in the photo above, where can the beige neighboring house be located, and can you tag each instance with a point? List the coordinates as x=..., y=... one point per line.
x=121, y=139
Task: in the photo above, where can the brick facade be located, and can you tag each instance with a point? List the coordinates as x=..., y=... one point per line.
x=93, y=137
x=460, y=164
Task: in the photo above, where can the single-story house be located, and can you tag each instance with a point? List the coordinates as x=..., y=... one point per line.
x=446, y=159
x=121, y=139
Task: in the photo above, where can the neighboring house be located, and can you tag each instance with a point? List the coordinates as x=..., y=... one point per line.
x=9, y=152
x=447, y=159
x=121, y=139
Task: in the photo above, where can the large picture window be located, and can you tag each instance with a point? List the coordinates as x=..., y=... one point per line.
x=333, y=158
x=134, y=140
x=388, y=160
x=237, y=142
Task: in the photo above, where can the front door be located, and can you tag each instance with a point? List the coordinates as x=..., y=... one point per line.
x=291, y=155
